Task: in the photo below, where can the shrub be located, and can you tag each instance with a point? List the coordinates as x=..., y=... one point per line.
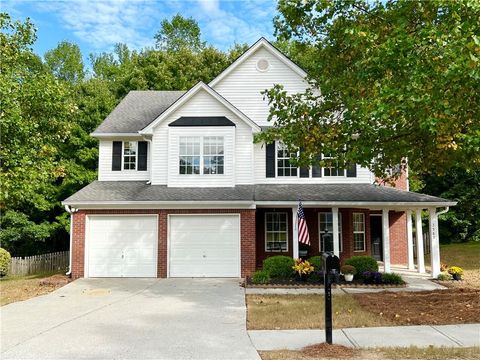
x=455, y=270
x=4, y=262
x=444, y=277
x=372, y=277
x=362, y=264
x=279, y=266
x=392, y=279
x=316, y=276
x=316, y=261
x=348, y=269
x=260, y=277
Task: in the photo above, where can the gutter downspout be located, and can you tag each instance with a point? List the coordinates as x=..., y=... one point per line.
x=71, y=211
x=443, y=211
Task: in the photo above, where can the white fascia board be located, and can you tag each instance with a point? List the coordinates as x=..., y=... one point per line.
x=358, y=204
x=114, y=135
x=262, y=42
x=85, y=205
x=148, y=130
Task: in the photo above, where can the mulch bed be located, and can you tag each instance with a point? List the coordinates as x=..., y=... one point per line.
x=293, y=284
x=328, y=350
x=452, y=306
x=55, y=280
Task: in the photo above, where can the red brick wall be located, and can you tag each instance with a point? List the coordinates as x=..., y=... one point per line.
x=247, y=236
x=398, y=237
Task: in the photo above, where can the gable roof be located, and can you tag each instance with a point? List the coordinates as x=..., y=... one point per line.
x=261, y=43
x=136, y=110
x=188, y=95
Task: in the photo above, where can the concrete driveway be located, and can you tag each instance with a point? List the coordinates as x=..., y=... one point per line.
x=130, y=319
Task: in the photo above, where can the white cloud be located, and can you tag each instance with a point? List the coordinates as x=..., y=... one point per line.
x=101, y=24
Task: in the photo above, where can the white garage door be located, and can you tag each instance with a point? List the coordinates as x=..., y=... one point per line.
x=122, y=246
x=204, y=246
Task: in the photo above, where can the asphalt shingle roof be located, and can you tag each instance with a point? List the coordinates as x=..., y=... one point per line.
x=118, y=191
x=137, y=110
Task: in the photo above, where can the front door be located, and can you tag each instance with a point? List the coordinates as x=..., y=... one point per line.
x=376, y=237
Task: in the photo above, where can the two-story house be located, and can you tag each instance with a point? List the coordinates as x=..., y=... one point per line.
x=183, y=190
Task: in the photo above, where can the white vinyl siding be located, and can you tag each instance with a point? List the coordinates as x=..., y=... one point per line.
x=243, y=86
x=364, y=176
x=105, y=172
x=358, y=232
x=238, y=145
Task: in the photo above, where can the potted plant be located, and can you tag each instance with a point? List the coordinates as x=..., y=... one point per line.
x=456, y=272
x=302, y=268
x=348, y=272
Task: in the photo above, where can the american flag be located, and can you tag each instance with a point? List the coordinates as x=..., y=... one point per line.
x=303, y=236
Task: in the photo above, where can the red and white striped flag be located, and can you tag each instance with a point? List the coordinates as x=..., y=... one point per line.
x=303, y=236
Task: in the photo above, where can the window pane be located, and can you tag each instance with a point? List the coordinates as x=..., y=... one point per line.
x=213, y=158
x=276, y=231
x=284, y=168
x=129, y=155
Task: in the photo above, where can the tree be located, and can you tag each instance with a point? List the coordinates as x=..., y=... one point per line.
x=65, y=62
x=178, y=34
x=398, y=79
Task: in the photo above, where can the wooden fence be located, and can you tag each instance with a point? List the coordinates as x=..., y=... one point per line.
x=57, y=261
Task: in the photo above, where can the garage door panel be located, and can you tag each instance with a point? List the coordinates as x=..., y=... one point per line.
x=204, y=246
x=122, y=246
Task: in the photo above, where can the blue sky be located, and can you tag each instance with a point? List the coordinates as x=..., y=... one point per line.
x=97, y=25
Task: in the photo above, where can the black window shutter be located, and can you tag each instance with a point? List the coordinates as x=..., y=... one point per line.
x=117, y=156
x=352, y=170
x=142, y=155
x=270, y=160
x=316, y=169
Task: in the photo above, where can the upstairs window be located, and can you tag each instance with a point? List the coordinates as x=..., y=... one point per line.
x=201, y=155
x=213, y=155
x=189, y=154
x=129, y=155
x=284, y=167
x=333, y=169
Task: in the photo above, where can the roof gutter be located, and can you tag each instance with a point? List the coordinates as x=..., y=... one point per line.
x=357, y=204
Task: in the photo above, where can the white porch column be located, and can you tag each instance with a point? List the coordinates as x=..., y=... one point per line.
x=336, y=238
x=419, y=231
x=411, y=265
x=386, y=241
x=295, y=232
x=434, y=242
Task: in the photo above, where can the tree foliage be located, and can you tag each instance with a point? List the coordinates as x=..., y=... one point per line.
x=398, y=79
x=65, y=62
x=178, y=34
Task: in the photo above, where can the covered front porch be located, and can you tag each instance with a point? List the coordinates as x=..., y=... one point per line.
x=382, y=226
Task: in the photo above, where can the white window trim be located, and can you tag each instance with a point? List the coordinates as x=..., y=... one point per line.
x=340, y=228
x=201, y=156
x=332, y=167
x=359, y=232
x=277, y=143
x=265, y=228
x=123, y=155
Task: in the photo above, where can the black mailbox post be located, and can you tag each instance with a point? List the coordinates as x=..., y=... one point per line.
x=331, y=267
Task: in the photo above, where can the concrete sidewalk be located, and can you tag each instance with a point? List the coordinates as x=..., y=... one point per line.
x=464, y=335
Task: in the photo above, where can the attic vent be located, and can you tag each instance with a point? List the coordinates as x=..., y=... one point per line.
x=263, y=65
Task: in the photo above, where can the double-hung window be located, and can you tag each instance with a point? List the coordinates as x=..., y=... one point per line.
x=276, y=232
x=325, y=228
x=129, y=155
x=189, y=154
x=201, y=155
x=284, y=167
x=213, y=155
x=358, y=232
x=333, y=169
